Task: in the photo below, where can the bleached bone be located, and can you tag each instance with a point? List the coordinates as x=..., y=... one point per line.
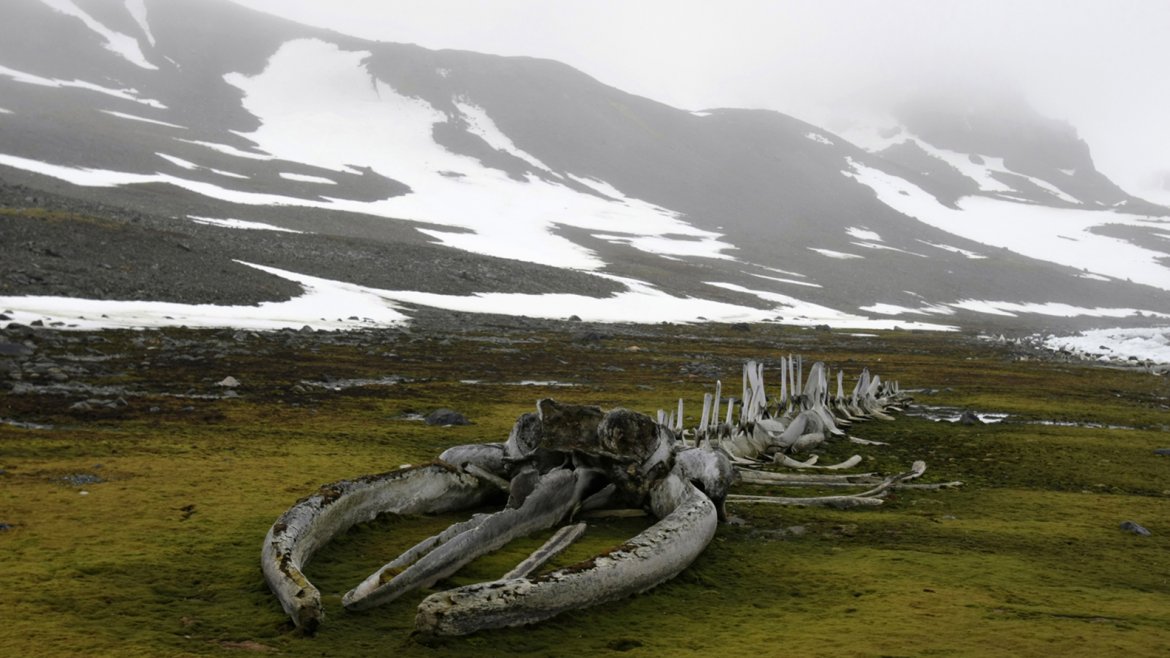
x=796, y=479
x=555, y=495
x=870, y=497
x=555, y=545
x=688, y=520
x=484, y=474
x=313, y=521
x=785, y=460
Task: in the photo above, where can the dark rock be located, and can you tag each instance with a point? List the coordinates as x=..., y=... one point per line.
x=969, y=418
x=1135, y=528
x=1164, y=452
x=14, y=349
x=574, y=318
x=446, y=417
x=82, y=479
x=588, y=337
x=741, y=326
x=823, y=327
x=5, y=527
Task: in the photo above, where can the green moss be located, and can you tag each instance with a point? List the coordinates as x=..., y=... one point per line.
x=162, y=558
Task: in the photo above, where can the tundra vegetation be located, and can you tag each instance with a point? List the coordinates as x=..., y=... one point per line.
x=132, y=523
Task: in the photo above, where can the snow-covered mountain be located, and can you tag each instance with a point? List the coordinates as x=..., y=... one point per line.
x=555, y=194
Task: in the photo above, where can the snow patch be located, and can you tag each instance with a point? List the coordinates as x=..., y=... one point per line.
x=802, y=313
x=834, y=254
x=305, y=178
x=230, y=150
x=123, y=45
x=322, y=306
x=134, y=117
x=137, y=9
x=124, y=94
x=178, y=161
x=783, y=280
x=894, y=309
x=819, y=138
x=107, y=178
x=6, y=111
x=240, y=224
x=481, y=125
x=863, y=234
x=1027, y=229
x=664, y=245
x=310, y=86
x=946, y=247
x=1054, y=309
x=1146, y=344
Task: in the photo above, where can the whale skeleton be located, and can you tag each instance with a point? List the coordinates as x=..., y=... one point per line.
x=574, y=461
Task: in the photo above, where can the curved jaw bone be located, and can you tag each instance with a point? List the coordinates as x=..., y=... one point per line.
x=314, y=520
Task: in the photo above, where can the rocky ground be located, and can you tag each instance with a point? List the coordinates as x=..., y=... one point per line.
x=64, y=245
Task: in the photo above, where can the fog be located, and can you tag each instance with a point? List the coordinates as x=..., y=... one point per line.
x=1099, y=65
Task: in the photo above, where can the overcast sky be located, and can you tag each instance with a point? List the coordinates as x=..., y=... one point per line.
x=1102, y=65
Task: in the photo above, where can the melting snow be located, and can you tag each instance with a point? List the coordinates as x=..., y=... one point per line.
x=240, y=224
x=178, y=161
x=1055, y=309
x=325, y=303
x=863, y=234
x=894, y=309
x=663, y=245
x=133, y=117
x=5, y=111
x=946, y=247
x=121, y=44
x=1027, y=229
x=124, y=94
x=480, y=124
x=808, y=314
x=230, y=150
x=310, y=86
x=137, y=9
x=817, y=137
x=305, y=178
x=1152, y=344
x=792, y=281
x=322, y=306
x=834, y=254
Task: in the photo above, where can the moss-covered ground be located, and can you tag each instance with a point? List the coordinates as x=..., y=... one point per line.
x=161, y=557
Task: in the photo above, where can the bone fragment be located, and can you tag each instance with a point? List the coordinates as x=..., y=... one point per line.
x=785, y=460
x=556, y=544
x=484, y=474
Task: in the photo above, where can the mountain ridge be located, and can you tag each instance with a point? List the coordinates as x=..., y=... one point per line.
x=530, y=159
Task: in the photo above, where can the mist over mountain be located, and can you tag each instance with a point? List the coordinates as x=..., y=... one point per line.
x=278, y=154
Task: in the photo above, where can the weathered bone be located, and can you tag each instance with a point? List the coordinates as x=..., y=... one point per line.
x=553, y=498
x=336, y=507
x=785, y=460
x=654, y=556
x=555, y=545
x=870, y=497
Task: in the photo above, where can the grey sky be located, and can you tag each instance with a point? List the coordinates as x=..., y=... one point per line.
x=1100, y=64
